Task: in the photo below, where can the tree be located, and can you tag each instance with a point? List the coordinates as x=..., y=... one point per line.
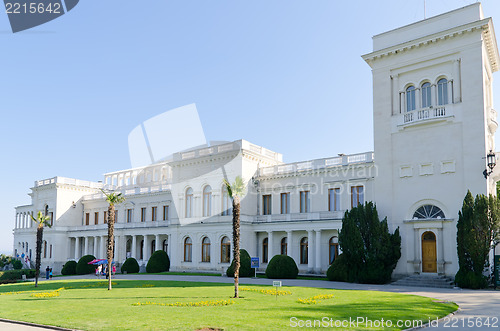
x=235, y=192
x=112, y=199
x=370, y=251
x=42, y=221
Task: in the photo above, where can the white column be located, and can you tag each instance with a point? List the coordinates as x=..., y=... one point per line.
x=396, y=102
x=289, y=246
x=318, y=251
x=134, y=246
x=102, y=247
x=95, y=246
x=68, y=250
x=86, y=247
x=457, y=84
x=145, y=255
x=157, y=243
x=270, y=244
x=310, y=251
x=77, y=248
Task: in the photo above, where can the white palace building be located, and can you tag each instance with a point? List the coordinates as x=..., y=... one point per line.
x=434, y=126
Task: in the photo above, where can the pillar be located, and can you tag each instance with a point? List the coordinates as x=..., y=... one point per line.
x=145, y=255
x=134, y=246
x=77, y=248
x=310, y=251
x=318, y=251
x=157, y=243
x=86, y=247
x=289, y=244
x=95, y=246
x=270, y=243
x=440, y=251
x=102, y=247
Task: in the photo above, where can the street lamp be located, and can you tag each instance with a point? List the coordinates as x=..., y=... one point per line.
x=491, y=161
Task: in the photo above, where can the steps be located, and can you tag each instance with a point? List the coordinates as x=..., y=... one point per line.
x=425, y=281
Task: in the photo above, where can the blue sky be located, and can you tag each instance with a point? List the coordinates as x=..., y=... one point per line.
x=284, y=74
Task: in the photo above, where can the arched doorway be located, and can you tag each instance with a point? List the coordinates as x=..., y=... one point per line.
x=429, y=257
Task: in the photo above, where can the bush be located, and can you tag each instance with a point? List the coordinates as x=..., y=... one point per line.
x=282, y=266
x=83, y=267
x=338, y=271
x=158, y=262
x=130, y=266
x=245, y=266
x=17, y=264
x=469, y=279
x=10, y=276
x=69, y=268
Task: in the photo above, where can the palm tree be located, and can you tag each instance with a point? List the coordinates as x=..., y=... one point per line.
x=42, y=221
x=112, y=199
x=235, y=192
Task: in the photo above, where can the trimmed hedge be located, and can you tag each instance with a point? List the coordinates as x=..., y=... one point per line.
x=158, y=262
x=83, y=267
x=338, y=271
x=17, y=264
x=245, y=266
x=69, y=268
x=11, y=276
x=130, y=266
x=282, y=266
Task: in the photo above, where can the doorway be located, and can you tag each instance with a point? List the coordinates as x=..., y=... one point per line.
x=429, y=257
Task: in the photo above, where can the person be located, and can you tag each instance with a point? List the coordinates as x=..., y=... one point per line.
x=50, y=272
x=47, y=272
x=114, y=269
x=98, y=271
x=22, y=256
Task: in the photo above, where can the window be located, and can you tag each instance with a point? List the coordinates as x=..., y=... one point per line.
x=284, y=246
x=356, y=196
x=96, y=218
x=225, y=247
x=165, y=213
x=426, y=95
x=305, y=205
x=226, y=202
x=333, y=251
x=50, y=251
x=442, y=87
x=106, y=216
x=141, y=255
x=285, y=203
x=428, y=212
x=410, y=98
x=334, y=199
x=205, y=250
x=51, y=214
x=129, y=215
x=207, y=201
x=265, y=251
x=188, y=250
x=165, y=245
x=143, y=214
x=303, y=250
x=44, y=249
x=189, y=202
x=266, y=204
x=153, y=213
x=87, y=218
x=153, y=247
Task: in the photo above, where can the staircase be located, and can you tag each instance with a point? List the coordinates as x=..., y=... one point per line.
x=425, y=281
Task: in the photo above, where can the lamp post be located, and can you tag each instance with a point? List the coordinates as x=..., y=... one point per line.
x=491, y=162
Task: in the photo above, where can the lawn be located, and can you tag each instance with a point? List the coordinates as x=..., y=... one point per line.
x=88, y=305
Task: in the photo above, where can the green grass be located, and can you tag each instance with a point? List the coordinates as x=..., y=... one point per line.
x=88, y=305
x=183, y=273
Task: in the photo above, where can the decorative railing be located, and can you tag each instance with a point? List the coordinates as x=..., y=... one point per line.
x=424, y=114
x=69, y=181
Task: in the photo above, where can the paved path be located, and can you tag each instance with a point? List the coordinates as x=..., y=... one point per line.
x=474, y=305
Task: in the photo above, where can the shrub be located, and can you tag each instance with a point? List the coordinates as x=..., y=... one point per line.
x=282, y=266
x=83, y=267
x=10, y=276
x=338, y=271
x=469, y=279
x=130, y=266
x=69, y=268
x=245, y=266
x=17, y=264
x=158, y=262
x=30, y=273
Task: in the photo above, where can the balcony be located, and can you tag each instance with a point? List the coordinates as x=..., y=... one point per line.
x=424, y=114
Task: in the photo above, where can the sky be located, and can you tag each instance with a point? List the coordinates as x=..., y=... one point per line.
x=283, y=74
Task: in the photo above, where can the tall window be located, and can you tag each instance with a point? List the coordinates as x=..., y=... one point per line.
x=105, y=217
x=165, y=245
x=44, y=249
x=188, y=250
x=129, y=215
x=442, y=87
x=51, y=214
x=265, y=250
x=357, y=196
x=305, y=203
x=303, y=250
x=426, y=95
x=410, y=98
x=189, y=202
x=154, y=212
x=207, y=201
x=334, y=199
x=153, y=247
x=226, y=202
x=266, y=204
x=143, y=214
x=50, y=251
x=333, y=250
x=284, y=246
x=165, y=213
x=141, y=255
x=87, y=218
x=225, y=247
x=285, y=203
x=205, y=250
x=96, y=218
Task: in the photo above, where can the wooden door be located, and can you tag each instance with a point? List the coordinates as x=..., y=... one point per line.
x=429, y=257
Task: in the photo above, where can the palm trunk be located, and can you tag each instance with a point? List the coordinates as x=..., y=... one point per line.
x=236, y=243
x=38, y=262
x=111, y=241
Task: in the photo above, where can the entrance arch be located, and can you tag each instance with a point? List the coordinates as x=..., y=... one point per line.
x=429, y=256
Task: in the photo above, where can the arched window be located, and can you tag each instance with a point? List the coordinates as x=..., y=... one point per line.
x=165, y=245
x=284, y=246
x=428, y=212
x=188, y=250
x=44, y=249
x=442, y=87
x=333, y=245
x=303, y=250
x=153, y=247
x=207, y=201
x=189, y=202
x=225, y=247
x=205, y=250
x=265, y=251
x=141, y=255
x=128, y=248
x=426, y=95
x=226, y=202
x=410, y=98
